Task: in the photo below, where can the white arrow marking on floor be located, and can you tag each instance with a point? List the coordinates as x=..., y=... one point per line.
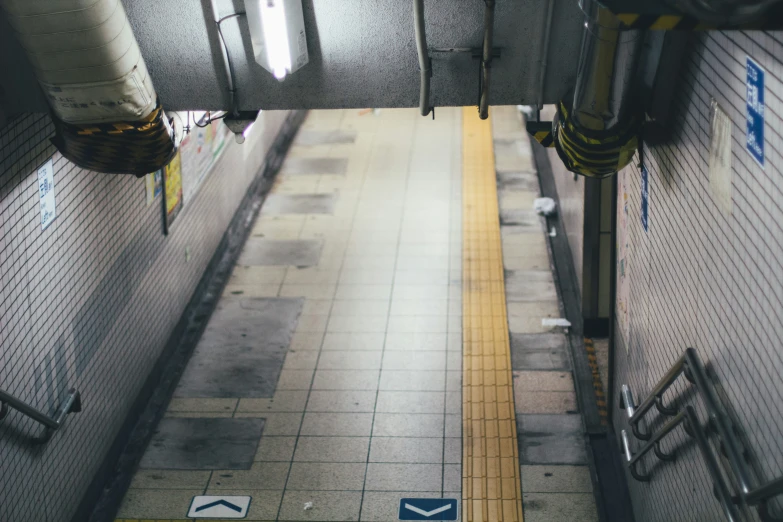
x=428, y=513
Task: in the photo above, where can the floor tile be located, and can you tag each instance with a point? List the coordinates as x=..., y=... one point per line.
x=203, y=444
x=346, y=380
x=544, y=402
x=257, y=275
x=306, y=341
x=452, y=450
x=341, y=401
x=399, y=360
x=242, y=350
x=337, y=424
x=275, y=449
x=276, y=423
x=418, y=324
x=411, y=380
x=551, y=439
x=410, y=402
x=169, y=479
x=308, y=138
x=408, y=425
x=361, y=308
x=332, y=449
x=298, y=204
x=314, y=166
x=395, y=477
x=300, y=360
x=292, y=401
x=338, y=506
x=407, y=450
x=156, y=503
x=266, y=252
x=344, y=360
x=371, y=291
x=543, y=381
x=262, y=475
x=415, y=341
x=295, y=380
x=349, y=341
x=326, y=476
x=556, y=507
x=544, y=351
x=202, y=405
x=370, y=324
x=556, y=479
x=452, y=477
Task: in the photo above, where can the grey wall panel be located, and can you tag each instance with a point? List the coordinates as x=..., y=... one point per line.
x=91, y=301
x=362, y=54
x=708, y=278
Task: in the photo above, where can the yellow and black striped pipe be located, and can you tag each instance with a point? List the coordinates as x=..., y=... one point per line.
x=542, y=132
x=130, y=147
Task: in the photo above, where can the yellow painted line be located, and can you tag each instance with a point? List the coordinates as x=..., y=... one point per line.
x=491, y=488
x=666, y=22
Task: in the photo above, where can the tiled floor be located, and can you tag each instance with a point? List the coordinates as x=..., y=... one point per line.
x=361, y=237
x=343, y=321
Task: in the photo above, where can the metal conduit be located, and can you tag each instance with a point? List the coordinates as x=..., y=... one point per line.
x=486, y=58
x=425, y=63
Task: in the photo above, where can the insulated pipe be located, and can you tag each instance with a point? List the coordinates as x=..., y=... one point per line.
x=604, y=94
x=596, y=131
x=86, y=58
x=425, y=64
x=486, y=58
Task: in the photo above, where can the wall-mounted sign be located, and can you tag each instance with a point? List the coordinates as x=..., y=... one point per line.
x=46, y=193
x=755, y=103
x=720, y=157
x=645, y=199
x=172, y=191
x=153, y=185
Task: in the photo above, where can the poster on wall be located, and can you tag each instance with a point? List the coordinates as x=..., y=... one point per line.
x=172, y=192
x=623, y=320
x=153, y=186
x=200, y=151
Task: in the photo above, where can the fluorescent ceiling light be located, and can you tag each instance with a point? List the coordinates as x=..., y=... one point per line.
x=278, y=35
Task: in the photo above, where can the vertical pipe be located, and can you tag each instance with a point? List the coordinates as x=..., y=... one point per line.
x=545, y=53
x=425, y=64
x=486, y=58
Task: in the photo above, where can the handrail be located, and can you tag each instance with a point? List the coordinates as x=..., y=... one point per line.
x=690, y=364
x=690, y=422
x=72, y=404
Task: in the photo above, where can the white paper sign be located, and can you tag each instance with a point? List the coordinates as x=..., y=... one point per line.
x=46, y=192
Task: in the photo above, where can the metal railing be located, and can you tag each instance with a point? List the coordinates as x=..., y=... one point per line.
x=749, y=492
x=71, y=404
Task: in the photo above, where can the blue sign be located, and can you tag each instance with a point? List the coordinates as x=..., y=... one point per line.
x=755, y=99
x=645, y=199
x=428, y=509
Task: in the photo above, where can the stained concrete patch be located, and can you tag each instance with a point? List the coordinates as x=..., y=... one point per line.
x=551, y=439
x=530, y=285
x=527, y=181
x=527, y=219
x=242, y=350
x=315, y=166
x=271, y=252
x=544, y=351
x=299, y=204
x=203, y=444
x=308, y=138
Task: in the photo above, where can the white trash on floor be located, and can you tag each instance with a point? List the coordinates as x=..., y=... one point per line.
x=544, y=206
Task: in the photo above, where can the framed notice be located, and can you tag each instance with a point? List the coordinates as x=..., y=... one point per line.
x=172, y=192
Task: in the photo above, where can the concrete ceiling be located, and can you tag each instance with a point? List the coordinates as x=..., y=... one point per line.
x=362, y=54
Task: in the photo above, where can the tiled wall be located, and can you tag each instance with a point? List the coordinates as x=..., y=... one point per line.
x=705, y=274
x=90, y=301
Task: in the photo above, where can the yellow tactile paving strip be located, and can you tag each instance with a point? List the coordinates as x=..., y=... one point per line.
x=491, y=489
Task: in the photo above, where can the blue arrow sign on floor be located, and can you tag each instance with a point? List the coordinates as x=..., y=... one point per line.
x=207, y=506
x=428, y=509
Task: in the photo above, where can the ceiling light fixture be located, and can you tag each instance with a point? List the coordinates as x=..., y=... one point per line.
x=278, y=35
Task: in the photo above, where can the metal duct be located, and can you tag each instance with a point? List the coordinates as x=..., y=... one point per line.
x=91, y=70
x=595, y=131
